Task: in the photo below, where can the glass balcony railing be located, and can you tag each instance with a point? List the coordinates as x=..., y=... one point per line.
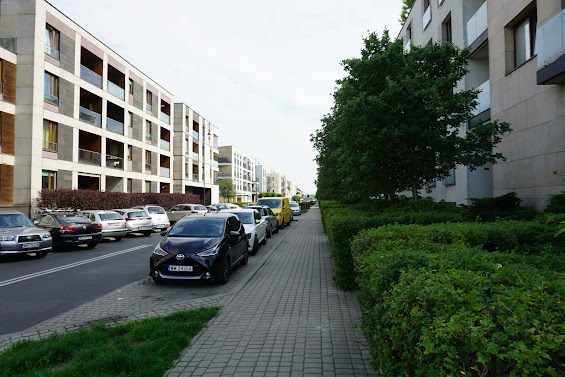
x=427, y=17
x=90, y=117
x=195, y=156
x=164, y=172
x=115, y=162
x=483, y=99
x=90, y=76
x=165, y=118
x=164, y=144
x=195, y=177
x=7, y=41
x=51, y=99
x=49, y=146
x=116, y=90
x=214, y=163
x=114, y=126
x=148, y=106
x=477, y=24
x=216, y=144
x=147, y=136
x=550, y=40
x=147, y=166
x=51, y=52
x=195, y=135
x=224, y=160
x=88, y=157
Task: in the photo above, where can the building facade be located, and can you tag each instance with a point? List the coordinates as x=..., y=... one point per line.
x=261, y=178
x=277, y=183
x=517, y=61
x=240, y=168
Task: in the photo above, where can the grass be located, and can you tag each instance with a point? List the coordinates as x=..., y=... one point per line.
x=141, y=348
x=304, y=210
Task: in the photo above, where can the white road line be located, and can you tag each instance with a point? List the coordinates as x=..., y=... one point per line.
x=71, y=265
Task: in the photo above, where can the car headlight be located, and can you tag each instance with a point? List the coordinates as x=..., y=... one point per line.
x=212, y=252
x=46, y=235
x=6, y=238
x=159, y=251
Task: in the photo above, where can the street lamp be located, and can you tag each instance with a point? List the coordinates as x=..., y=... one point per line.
x=204, y=158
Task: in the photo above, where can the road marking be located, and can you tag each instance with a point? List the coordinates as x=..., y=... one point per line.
x=71, y=265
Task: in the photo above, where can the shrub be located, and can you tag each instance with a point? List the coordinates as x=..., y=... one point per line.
x=87, y=199
x=505, y=207
x=556, y=204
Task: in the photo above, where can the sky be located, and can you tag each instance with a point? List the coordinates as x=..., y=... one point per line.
x=262, y=71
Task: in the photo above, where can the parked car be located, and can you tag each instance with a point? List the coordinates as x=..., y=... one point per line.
x=226, y=206
x=255, y=227
x=213, y=209
x=158, y=216
x=137, y=221
x=18, y=235
x=113, y=224
x=295, y=208
x=270, y=218
x=280, y=207
x=200, y=247
x=180, y=210
x=70, y=229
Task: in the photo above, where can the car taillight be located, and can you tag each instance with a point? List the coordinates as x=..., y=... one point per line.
x=98, y=226
x=66, y=229
x=149, y=218
x=195, y=212
x=208, y=211
x=129, y=219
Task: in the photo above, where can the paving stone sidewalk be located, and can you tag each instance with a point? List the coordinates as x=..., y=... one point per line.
x=288, y=320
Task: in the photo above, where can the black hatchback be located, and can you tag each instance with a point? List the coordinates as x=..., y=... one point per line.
x=200, y=248
x=68, y=229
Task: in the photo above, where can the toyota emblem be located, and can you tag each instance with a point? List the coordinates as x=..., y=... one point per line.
x=180, y=257
x=84, y=227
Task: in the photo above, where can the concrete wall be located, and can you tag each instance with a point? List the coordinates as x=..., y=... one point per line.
x=65, y=142
x=67, y=53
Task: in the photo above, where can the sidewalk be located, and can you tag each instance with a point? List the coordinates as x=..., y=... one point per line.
x=288, y=320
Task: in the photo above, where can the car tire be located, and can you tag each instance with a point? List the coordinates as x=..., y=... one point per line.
x=277, y=228
x=118, y=238
x=245, y=259
x=147, y=234
x=269, y=232
x=264, y=242
x=255, y=246
x=91, y=245
x=41, y=254
x=224, y=273
x=157, y=279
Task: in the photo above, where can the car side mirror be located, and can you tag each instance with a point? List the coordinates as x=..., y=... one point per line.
x=36, y=222
x=164, y=233
x=233, y=233
x=257, y=221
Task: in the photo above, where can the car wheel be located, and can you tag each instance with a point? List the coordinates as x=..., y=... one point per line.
x=157, y=279
x=269, y=232
x=245, y=259
x=264, y=242
x=277, y=228
x=255, y=246
x=225, y=271
x=91, y=245
x=289, y=221
x=118, y=238
x=147, y=234
x=41, y=254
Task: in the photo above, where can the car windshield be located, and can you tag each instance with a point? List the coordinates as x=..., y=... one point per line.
x=110, y=216
x=273, y=203
x=156, y=210
x=206, y=227
x=74, y=220
x=199, y=208
x=294, y=205
x=14, y=220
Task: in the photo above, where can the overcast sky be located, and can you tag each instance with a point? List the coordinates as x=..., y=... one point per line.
x=261, y=70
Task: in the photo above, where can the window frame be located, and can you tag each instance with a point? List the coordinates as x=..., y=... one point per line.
x=53, y=40
x=52, y=132
x=51, y=179
x=531, y=18
x=130, y=89
x=53, y=88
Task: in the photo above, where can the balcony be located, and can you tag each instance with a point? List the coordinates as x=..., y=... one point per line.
x=7, y=42
x=427, y=17
x=51, y=52
x=148, y=106
x=214, y=163
x=89, y=157
x=114, y=162
x=407, y=46
x=148, y=137
x=49, y=98
x=224, y=160
x=116, y=90
x=164, y=144
x=49, y=146
x=550, y=45
x=195, y=156
x=195, y=135
x=483, y=99
x=164, y=172
x=165, y=118
x=478, y=24
x=114, y=126
x=90, y=76
x=91, y=117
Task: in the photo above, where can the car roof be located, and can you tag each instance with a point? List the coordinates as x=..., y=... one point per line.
x=11, y=213
x=98, y=211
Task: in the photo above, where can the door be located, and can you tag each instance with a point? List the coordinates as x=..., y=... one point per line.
x=238, y=244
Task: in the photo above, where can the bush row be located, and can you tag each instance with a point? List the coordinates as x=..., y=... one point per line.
x=87, y=199
x=446, y=309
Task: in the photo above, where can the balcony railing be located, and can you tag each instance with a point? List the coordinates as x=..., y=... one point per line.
x=483, y=99
x=164, y=144
x=114, y=126
x=89, y=157
x=116, y=90
x=115, y=162
x=165, y=118
x=195, y=135
x=216, y=145
x=90, y=76
x=49, y=98
x=224, y=160
x=51, y=51
x=147, y=136
x=195, y=177
x=148, y=106
x=550, y=40
x=90, y=117
x=477, y=24
x=427, y=17
x=407, y=46
x=195, y=156
x=49, y=146
x=7, y=41
x=147, y=166
x=215, y=163
x=164, y=172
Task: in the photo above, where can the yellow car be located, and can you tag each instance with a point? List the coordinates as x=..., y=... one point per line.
x=280, y=207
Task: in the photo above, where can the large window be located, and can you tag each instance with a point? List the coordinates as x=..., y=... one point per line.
x=525, y=39
x=48, y=179
x=129, y=185
x=147, y=186
x=149, y=101
x=51, y=89
x=147, y=160
x=49, y=136
x=52, y=39
x=130, y=152
x=129, y=119
x=147, y=130
x=130, y=87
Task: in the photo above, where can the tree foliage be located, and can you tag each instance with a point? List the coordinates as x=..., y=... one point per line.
x=396, y=122
x=227, y=190
x=406, y=7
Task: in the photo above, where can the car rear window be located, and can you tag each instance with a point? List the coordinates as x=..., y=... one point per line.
x=156, y=211
x=273, y=203
x=199, y=208
x=137, y=214
x=74, y=220
x=110, y=216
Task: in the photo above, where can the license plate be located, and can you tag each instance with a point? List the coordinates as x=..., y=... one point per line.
x=85, y=238
x=144, y=228
x=29, y=245
x=180, y=268
x=114, y=225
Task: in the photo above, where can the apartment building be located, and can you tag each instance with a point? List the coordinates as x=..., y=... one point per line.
x=277, y=183
x=292, y=188
x=196, y=154
x=261, y=178
x=240, y=168
x=517, y=61
x=79, y=116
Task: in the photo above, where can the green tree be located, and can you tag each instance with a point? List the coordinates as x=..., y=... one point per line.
x=227, y=189
x=396, y=122
x=406, y=7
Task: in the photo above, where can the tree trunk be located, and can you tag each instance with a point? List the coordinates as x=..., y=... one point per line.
x=414, y=191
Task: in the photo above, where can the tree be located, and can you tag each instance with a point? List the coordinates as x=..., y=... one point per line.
x=227, y=190
x=396, y=122
x=406, y=7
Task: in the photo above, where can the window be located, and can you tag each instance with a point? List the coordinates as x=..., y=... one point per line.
x=130, y=152
x=147, y=160
x=525, y=39
x=147, y=130
x=49, y=136
x=131, y=87
x=129, y=185
x=149, y=101
x=147, y=186
x=450, y=179
x=52, y=39
x=51, y=89
x=446, y=30
x=129, y=119
x=48, y=180
x=1, y=75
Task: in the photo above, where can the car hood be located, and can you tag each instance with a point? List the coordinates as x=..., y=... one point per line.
x=188, y=245
x=21, y=230
x=249, y=227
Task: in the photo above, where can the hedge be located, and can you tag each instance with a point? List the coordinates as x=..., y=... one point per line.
x=88, y=199
x=437, y=309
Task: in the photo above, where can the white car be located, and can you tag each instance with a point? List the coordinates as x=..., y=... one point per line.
x=295, y=208
x=255, y=227
x=113, y=224
x=158, y=216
